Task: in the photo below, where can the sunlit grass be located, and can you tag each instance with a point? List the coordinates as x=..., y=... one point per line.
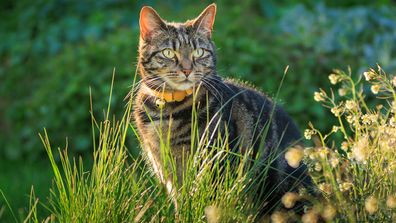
x=354, y=177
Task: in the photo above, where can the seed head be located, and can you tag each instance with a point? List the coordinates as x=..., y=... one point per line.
x=329, y=212
x=310, y=217
x=278, y=217
x=371, y=205
x=289, y=199
x=391, y=201
x=294, y=156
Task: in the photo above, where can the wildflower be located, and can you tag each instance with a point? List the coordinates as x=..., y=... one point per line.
x=368, y=118
x=371, y=205
x=333, y=78
x=212, y=214
x=279, y=217
x=345, y=186
x=335, y=128
x=294, y=156
x=375, y=88
x=326, y=188
x=392, y=121
x=329, y=212
x=394, y=81
x=391, y=201
x=308, y=133
x=323, y=152
x=318, y=167
x=310, y=217
x=336, y=111
x=334, y=161
x=342, y=91
x=318, y=96
x=369, y=75
x=350, y=104
x=289, y=199
x=360, y=149
x=344, y=145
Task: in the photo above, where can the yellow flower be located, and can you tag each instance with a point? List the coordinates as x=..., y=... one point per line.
x=336, y=111
x=326, y=188
x=318, y=96
x=391, y=201
x=289, y=199
x=318, y=167
x=350, y=104
x=279, y=217
x=344, y=145
x=308, y=133
x=371, y=205
x=369, y=75
x=333, y=78
x=345, y=186
x=294, y=155
x=375, y=88
x=334, y=161
x=335, y=128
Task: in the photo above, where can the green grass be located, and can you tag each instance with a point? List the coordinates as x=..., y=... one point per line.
x=356, y=172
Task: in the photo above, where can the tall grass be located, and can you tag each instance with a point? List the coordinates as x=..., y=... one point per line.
x=355, y=176
x=120, y=188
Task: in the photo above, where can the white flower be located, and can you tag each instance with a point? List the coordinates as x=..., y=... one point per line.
x=333, y=78
x=308, y=133
x=318, y=96
x=369, y=75
x=336, y=111
x=375, y=88
x=350, y=104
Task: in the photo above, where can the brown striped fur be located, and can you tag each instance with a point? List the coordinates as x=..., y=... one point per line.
x=244, y=110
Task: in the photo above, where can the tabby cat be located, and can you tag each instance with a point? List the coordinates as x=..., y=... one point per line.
x=176, y=58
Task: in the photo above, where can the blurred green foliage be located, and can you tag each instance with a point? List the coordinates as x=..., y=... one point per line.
x=51, y=52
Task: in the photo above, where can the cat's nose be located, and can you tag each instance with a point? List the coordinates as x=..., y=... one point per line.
x=186, y=71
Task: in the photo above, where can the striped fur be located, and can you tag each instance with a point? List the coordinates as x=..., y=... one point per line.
x=244, y=110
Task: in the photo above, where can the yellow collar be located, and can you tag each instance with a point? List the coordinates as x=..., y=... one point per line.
x=169, y=96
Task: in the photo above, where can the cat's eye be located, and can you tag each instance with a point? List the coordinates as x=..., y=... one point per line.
x=198, y=52
x=168, y=53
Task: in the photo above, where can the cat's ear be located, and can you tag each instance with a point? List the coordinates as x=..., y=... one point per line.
x=204, y=22
x=150, y=22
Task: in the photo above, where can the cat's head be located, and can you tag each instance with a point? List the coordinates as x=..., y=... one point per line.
x=176, y=56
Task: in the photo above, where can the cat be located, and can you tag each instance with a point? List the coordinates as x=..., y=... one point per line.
x=176, y=58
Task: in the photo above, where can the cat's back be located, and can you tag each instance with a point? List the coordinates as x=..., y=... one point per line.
x=253, y=111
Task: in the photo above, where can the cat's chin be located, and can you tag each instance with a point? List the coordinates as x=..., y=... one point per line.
x=181, y=86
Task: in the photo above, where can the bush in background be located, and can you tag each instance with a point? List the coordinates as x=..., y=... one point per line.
x=53, y=51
